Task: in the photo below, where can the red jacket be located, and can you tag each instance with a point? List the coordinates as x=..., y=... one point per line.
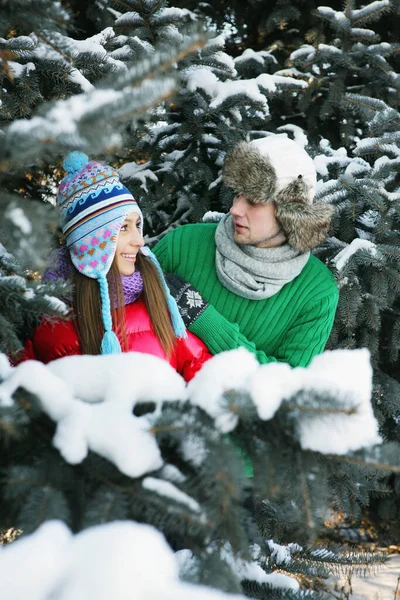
x=55, y=340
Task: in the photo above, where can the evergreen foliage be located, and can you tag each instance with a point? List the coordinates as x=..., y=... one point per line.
x=84, y=116
x=351, y=59
x=23, y=300
x=129, y=82
x=365, y=253
x=200, y=498
x=179, y=152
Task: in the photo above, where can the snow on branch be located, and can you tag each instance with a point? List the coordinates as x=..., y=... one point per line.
x=91, y=399
x=220, y=91
x=252, y=571
x=259, y=56
x=116, y=560
x=169, y=490
x=371, y=11
x=132, y=171
x=342, y=376
x=130, y=93
x=342, y=258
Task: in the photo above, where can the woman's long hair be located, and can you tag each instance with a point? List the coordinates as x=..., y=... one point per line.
x=87, y=307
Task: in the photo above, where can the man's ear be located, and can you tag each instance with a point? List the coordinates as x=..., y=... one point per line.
x=305, y=225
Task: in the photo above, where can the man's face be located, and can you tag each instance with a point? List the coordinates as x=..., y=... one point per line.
x=255, y=224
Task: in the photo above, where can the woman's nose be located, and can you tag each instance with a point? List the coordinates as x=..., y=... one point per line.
x=136, y=239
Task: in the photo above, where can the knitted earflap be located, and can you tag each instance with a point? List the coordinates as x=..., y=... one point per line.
x=176, y=319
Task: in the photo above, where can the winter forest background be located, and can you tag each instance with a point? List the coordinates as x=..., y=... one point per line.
x=162, y=91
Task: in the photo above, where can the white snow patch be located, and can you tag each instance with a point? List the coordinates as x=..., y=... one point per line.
x=75, y=76
x=299, y=135
x=116, y=560
x=370, y=218
x=131, y=169
x=172, y=473
x=57, y=304
x=91, y=399
x=5, y=367
x=219, y=91
x=345, y=375
x=259, y=56
x=253, y=572
x=212, y=216
x=283, y=554
x=17, y=216
x=169, y=490
x=194, y=449
x=341, y=259
x=224, y=372
x=4, y=253
x=42, y=556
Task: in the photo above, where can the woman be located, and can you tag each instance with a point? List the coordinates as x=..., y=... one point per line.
x=120, y=299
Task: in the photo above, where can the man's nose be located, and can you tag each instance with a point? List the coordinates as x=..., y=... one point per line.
x=238, y=206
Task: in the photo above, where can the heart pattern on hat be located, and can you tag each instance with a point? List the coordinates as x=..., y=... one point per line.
x=94, y=254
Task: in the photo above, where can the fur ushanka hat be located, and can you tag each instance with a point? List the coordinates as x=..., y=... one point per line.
x=276, y=169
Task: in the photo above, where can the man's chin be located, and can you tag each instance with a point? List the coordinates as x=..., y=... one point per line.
x=240, y=238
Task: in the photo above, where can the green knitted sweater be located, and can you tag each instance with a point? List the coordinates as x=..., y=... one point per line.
x=292, y=326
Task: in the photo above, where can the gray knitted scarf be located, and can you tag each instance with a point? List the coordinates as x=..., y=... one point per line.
x=250, y=272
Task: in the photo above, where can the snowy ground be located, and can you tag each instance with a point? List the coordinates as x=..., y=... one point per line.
x=381, y=586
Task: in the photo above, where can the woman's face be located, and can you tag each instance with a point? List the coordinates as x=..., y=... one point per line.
x=129, y=241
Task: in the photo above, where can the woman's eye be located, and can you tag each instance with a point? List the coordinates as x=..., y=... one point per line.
x=124, y=227
x=139, y=225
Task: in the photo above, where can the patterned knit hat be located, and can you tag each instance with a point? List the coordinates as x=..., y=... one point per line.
x=277, y=169
x=94, y=204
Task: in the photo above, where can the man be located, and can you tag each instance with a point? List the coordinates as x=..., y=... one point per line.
x=257, y=285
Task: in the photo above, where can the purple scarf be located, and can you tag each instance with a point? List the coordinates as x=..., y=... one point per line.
x=61, y=268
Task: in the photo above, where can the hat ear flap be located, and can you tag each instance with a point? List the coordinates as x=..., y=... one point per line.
x=246, y=171
x=305, y=225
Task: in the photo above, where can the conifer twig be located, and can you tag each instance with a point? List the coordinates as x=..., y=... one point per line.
x=306, y=495
x=364, y=463
x=396, y=591
x=164, y=66
x=321, y=411
x=53, y=46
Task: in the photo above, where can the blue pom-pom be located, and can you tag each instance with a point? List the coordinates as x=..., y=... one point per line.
x=75, y=162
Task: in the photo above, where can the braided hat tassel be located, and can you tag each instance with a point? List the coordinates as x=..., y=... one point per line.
x=176, y=319
x=110, y=343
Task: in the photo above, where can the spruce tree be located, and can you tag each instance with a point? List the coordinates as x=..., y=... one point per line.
x=174, y=160
x=364, y=252
x=115, y=100
x=82, y=460
x=349, y=57
x=74, y=113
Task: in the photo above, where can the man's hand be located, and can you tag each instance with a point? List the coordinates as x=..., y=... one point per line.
x=190, y=302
